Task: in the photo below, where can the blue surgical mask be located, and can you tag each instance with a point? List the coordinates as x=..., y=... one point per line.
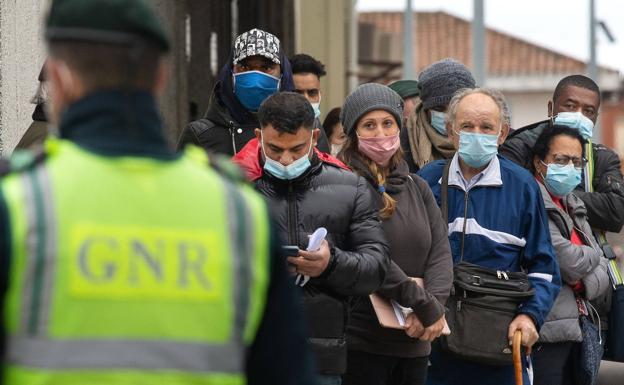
x=290, y=172
x=251, y=88
x=317, y=108
x=578, y=121
x=477, y=150
x=438, y=121
x=561, y=180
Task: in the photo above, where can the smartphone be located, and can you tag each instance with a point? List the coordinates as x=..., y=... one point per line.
x=290, y=251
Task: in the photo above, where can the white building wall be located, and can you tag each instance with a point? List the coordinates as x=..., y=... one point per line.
x=527, y=107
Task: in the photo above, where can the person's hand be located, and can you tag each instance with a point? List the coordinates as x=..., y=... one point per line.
x=311, y=263
x=525, y=324
x=434, y=330
x=413, y=327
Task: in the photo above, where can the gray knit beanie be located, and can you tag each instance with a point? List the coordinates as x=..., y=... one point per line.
x=366, y=98
x=441, y=80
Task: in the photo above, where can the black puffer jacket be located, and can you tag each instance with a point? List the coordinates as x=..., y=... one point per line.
x=339, y=200
x=218, y=132
x=605, y=206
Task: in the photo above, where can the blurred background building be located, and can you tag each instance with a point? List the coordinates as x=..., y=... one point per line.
x=355, y=47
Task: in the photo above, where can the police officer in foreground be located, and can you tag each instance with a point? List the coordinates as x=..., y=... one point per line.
x=128, y=263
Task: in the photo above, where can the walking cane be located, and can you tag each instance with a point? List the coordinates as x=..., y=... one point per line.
x=517, y=359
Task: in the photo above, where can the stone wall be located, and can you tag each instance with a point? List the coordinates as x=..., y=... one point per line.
x=194, y=61
x=22, y=53
x=21, y=58
x=174, y=102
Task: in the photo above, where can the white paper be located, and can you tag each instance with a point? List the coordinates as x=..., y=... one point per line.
x=314, y=244
x=400, y=312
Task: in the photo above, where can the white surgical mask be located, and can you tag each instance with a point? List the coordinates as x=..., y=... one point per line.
x=317, y=108
x=335, y=149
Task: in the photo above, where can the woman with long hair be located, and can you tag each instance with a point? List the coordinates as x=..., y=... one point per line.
x=419, y=248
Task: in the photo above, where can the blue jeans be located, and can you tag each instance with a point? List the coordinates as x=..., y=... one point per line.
x=328, y=380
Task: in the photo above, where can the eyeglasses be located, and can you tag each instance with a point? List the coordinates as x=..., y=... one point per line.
x=564, y=160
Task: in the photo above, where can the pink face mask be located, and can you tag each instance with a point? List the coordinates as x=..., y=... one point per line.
x=379, y=148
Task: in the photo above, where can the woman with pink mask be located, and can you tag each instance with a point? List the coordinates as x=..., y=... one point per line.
x=419, y=248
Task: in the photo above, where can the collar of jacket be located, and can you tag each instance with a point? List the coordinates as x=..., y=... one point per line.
x=565, y=220
x=573, y=204
x=249, y=159
x=490, y=176
x=117, y=123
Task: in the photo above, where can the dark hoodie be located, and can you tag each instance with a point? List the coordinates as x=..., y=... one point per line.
x=419, y=247
x=227, y=125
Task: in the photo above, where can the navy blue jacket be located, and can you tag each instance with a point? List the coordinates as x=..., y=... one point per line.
x=506, y=228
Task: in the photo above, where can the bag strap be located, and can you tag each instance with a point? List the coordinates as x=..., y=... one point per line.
x=444, y=192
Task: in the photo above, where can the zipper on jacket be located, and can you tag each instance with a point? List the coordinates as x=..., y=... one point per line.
x=292, y=217
x=461, y=258
x=232, y=135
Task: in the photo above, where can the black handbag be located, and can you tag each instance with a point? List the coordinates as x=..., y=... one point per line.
x=482, y=304
x=615, y=334
x=589, y=355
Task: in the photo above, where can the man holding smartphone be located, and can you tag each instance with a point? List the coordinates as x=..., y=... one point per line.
x=308, y=190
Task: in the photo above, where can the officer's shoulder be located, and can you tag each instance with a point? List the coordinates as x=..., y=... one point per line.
x=220, y=164
x=227, y=169
x=21, y=161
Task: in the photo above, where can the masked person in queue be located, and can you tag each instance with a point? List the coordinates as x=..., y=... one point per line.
x=308, y=189
x=124, y=262
x=256, y=69
x=496, y=219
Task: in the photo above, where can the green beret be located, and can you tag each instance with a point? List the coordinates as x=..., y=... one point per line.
x=405, y=88
x=105, y=21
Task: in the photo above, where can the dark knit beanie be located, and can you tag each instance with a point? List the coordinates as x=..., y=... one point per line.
x=405, y=88
x=441, y=80
x=105, y=21
x=366, y=98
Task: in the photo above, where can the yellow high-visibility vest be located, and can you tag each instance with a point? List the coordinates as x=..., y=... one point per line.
x=131, y=270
